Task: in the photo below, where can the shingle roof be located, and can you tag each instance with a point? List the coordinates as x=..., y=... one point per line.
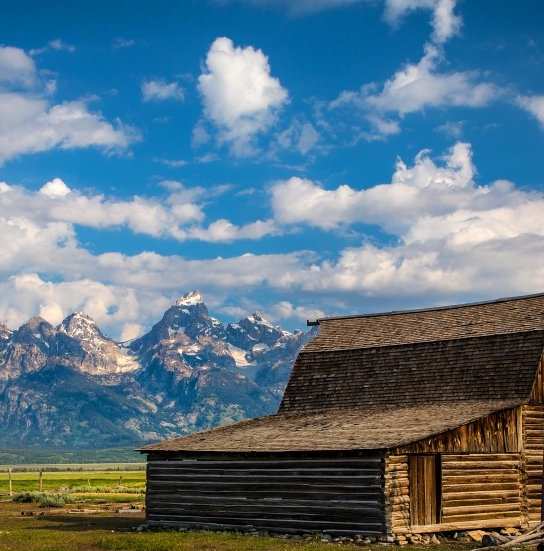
x=495, y=367
x=385, y=380
x=336, y=429
x=508, y=315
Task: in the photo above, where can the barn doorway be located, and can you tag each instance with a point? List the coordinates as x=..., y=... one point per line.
x=425, y=489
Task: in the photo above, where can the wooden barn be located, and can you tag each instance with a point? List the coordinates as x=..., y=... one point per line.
x=404, y=422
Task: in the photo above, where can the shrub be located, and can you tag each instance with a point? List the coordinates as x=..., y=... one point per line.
x=44, y=499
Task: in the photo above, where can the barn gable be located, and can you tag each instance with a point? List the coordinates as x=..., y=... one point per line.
x=435, y=400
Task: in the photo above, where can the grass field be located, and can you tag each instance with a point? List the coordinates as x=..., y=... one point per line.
x=103, y=518
x=29, y=481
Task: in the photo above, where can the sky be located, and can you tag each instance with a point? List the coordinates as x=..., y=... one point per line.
x=299, y=158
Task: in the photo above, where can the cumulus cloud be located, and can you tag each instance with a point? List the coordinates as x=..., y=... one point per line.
x=177, y=215
x=240, y=96
x=418, y=86
x=55, y=188
x=223, y=231
x=452, y=238
x=286, y=310
x=415, y=87
x=30, y=123
x=16, y=68
x=417, y=196
x=534, y=105
x=159, y=90
x=445, y=23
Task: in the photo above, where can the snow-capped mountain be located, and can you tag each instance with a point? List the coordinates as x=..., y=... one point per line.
x=71, y=386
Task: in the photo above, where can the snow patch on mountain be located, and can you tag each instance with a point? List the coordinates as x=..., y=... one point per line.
x=190, y=299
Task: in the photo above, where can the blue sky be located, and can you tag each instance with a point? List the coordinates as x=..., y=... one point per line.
x=301, y=158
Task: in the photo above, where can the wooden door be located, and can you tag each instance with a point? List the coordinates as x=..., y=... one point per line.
x=425, y=489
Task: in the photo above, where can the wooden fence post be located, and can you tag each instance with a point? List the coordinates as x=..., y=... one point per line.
x=10, y=488
x=41, y=480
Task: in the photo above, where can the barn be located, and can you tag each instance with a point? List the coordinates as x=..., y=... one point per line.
x=399, y=423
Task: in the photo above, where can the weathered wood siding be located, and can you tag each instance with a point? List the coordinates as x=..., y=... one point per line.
x=496, y=433
x=533, y=439
x=537, y=393
x=339, y=495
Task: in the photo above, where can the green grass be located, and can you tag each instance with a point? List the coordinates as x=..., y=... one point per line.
x=27, y=526
x=99, y=481
x=58, y=530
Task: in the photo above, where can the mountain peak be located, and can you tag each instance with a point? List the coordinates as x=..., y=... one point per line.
x=190, y=299
x=80, y=325
x=258, y=318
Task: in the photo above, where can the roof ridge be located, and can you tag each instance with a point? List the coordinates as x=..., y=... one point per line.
x=307, y=350
x=428, y=309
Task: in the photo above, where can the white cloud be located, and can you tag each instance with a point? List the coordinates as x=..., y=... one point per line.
x=159, y=90
x=172, y=163
x=57, y=45
x=30, y=123
x=240, y=96
x=123, y=43
x=16, y=68
x=55, y=188
x=223, y=231
x=452, y=238
x=417, y=87
x=286, y=310
x=417, y=197
x=303, y=7
x=445, y=23
x=303, y=137
x=534, y=105
x=178, y=215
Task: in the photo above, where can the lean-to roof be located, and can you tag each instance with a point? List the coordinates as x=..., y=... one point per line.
x=343, y=429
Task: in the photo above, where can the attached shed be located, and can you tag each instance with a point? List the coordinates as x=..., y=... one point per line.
x=404, y=422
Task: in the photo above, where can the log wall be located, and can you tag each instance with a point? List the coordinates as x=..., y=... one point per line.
x=337, y=495
x=533, y=439
x=397, y=494
x=477, y=491
x=481, y=488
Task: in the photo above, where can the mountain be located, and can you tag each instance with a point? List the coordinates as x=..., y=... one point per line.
x=71, y=387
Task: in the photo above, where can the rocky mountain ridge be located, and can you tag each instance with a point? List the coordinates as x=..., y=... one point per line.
x=70, y=386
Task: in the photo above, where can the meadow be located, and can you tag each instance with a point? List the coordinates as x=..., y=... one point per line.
x=105, y=512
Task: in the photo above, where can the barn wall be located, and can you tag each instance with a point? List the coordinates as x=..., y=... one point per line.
x=339, y=495
x=482, y=488
x=476, y=491
x=397, y=494
x=537, y=394
x=497, y=433
x=533, y=440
